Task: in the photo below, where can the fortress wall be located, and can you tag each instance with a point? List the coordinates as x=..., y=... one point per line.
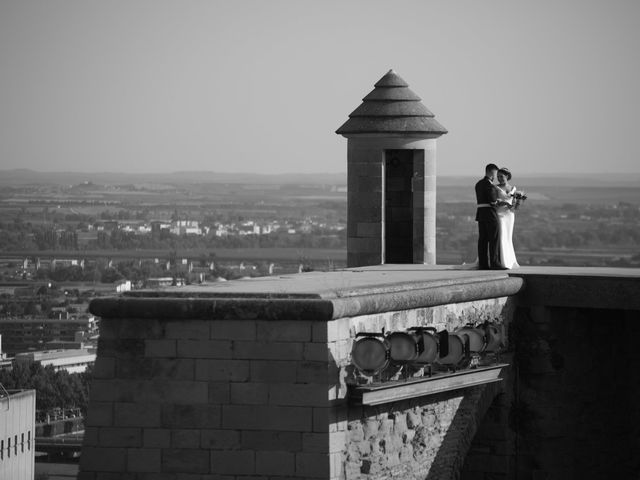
x=572, y=405
x=575, y=407
x=198, y=397
x=246, y=387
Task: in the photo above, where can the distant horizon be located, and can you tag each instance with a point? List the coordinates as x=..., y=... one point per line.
x=605, y=173
x=23, y=177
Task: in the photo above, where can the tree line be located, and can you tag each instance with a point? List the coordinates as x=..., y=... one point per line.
x=54, y=389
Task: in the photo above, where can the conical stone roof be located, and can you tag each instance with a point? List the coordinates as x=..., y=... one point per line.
x=392, y=108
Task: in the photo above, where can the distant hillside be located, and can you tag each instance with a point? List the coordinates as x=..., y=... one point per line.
x=557, y=180
x=26, y=177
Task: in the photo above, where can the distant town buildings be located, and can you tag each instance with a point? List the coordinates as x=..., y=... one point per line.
x=71, y=360
x=194, y=227
x=123, y=286
x=24, y=334
x=185, y=227
x=251, y=227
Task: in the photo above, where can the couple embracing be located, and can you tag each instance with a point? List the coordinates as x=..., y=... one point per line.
x=495, y=219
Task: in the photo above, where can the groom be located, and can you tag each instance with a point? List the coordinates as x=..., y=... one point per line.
x=487, y=218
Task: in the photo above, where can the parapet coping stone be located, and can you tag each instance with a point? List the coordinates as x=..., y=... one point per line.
x=350, y=292
x=314, y=296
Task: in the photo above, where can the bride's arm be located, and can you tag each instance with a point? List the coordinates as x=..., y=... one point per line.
x=505, y=199
x=502, y=195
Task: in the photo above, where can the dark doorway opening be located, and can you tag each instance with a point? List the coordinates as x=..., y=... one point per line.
x=398, y=206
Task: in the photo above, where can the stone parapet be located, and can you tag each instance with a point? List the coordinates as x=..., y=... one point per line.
x=343, y=299
x=250, y=379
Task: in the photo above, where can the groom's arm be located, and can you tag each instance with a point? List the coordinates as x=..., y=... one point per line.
x=493, y=195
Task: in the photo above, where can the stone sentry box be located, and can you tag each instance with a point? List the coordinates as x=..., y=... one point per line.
x=391, y=170
x=248, y=379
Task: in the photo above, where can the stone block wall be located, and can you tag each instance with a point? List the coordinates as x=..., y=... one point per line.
x=576, y=396
x=201, y=397
x=260, y=397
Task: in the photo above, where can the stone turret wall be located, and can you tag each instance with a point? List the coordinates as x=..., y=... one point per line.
x=366, y=199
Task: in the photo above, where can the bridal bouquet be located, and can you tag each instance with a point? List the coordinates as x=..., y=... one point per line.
x=519, y=198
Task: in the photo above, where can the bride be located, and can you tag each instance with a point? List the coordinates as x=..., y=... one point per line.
x=506, y=219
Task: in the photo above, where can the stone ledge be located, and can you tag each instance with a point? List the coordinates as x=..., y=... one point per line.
x=385, y=297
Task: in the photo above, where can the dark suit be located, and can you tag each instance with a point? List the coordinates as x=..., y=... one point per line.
x=487, y=218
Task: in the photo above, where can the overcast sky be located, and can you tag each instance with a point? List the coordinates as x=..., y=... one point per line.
x=261, y=86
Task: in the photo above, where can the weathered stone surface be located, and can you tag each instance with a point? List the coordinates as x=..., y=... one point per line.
x=101, y=414
x=250, y=393
x=233, y=330
x=156, y=437
x=185, y=438
x=268, y=350
x=185, y=460
x=237, y=462
x=137, y=414
x=313, y=465
x=310, y=395
x=160, y=348
x=283, y=331
x=219, y=392
x=222, y=370
x=143, y=460
x=272, y=440
x=191, y=416
x=103, y=459
x=239, y=417
x=218, y=439
x=273, y=371
x=120, y=437
x=104, y=367
x=204, y=348
x=275, y=463
x=155, y=368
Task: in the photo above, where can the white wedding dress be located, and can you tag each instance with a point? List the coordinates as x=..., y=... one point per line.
x=506, y=219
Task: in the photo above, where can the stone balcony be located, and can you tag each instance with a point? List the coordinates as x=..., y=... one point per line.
x=249, y=378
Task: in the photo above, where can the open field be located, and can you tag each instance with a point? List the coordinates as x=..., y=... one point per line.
x=247, y=254
x=544, y=194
